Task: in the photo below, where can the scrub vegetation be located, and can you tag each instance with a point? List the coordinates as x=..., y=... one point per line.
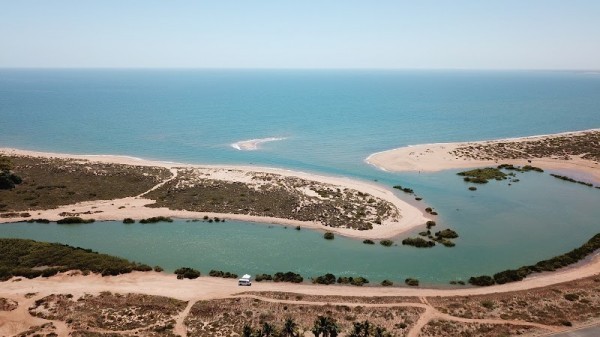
x=52, y=182
x=31, y=259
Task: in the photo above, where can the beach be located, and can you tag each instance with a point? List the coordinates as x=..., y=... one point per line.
x=442, y=156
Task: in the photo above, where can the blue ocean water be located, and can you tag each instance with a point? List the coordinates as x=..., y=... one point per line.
x=331, y=121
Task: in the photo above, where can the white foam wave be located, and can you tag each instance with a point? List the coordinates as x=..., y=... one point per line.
x=253, y=144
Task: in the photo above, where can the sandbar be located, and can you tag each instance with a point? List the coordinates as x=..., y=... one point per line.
x=442, y=156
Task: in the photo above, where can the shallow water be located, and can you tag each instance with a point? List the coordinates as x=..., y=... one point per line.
x=329, y=121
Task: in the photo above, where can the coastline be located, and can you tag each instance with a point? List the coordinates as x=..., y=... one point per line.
x=134, y=207
x=439, y=156
x=205, y=287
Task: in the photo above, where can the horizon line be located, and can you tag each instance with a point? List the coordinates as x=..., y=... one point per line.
x=300, y=68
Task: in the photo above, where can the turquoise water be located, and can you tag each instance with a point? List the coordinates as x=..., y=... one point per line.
x=331, y=120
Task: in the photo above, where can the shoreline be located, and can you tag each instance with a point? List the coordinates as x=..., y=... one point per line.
x=206, y=287
x=436, y=157
x=134, y=206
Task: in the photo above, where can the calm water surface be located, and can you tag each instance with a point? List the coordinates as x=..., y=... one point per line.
x=331, y=121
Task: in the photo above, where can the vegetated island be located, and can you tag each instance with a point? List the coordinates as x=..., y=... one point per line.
x=578, y=151
x=53, y=186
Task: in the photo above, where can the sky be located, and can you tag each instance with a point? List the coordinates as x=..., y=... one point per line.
x=424, y=34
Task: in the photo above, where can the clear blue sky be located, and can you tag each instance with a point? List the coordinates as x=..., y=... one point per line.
x=478, y=34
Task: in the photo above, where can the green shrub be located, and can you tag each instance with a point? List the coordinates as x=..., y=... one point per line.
x=328, y=236
x=263, y=277
x=156, y=219
x=418, y=242
x=387, y=283
x=325, y=279
x=481, y=176
x=355, y=281
x=128, y=220
x=488, y=304
x=18, y=258
x=483, y=280
x=220, y=273
x=404, y=189
x=288, y=277
x=74, y=220
x=447, y=234
x=571, y=297
x=386, y=243
x=430, y=224
x=413, y=282
x=158, y=269
x=186, y=272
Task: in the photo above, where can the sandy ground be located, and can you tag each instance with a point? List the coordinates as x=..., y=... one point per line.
x=438, y=157
x=134, y=207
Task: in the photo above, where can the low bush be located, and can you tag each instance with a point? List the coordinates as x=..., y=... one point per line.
x=128, y=220
x=158, y=269
x=186, y=272
x=483, y=280
x=447, y=234
x=368, y=242
x=481, y=176
x=386, y=243
x=355, y=281
x=19, y=257
x=263, y=277
x=387, y=283
x=223, y=274
x=325, y=279
x=571, y=297
x=430, y=224
x=288, y=277
x=418, y=242
x=38, y=221
x=73, y=220
x=413, y=282
x=404, y=189
x=156, y=219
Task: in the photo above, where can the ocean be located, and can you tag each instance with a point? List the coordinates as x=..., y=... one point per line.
x=324, y=121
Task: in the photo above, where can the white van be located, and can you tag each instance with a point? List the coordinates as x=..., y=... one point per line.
x=245, y=280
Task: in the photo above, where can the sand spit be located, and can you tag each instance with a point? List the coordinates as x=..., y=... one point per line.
x=135, y=206
x=443, y=156
x=253, y=144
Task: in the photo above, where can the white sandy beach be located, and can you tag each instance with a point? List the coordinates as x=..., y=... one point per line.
x=134, y=207
x=438, y=157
